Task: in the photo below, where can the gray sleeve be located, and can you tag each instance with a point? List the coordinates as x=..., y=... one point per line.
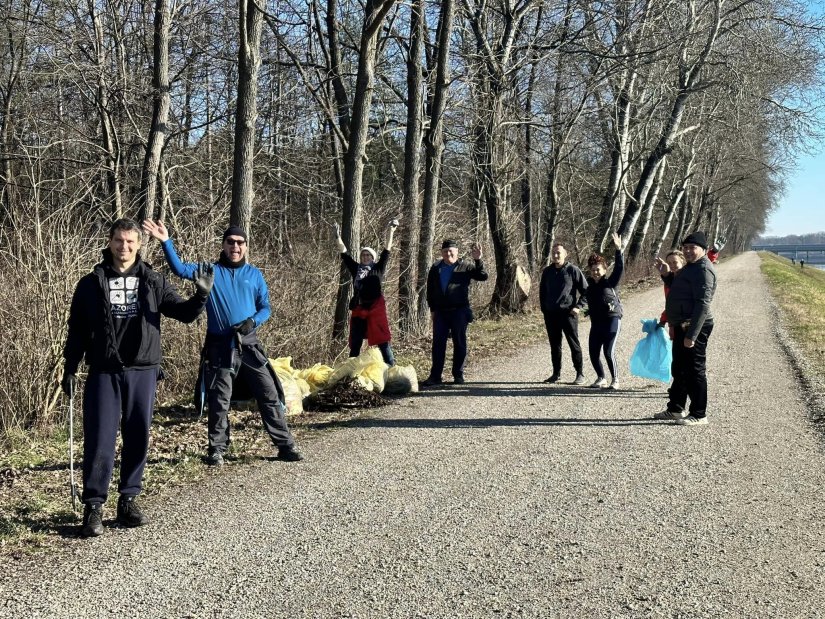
x=702, y=288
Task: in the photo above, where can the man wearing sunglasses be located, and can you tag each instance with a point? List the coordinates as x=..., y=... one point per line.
x=237, y=306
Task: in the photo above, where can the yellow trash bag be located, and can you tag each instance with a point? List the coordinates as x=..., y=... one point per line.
x=368, y=369
x=401, y=380
x=316, y=377
x=294, y=391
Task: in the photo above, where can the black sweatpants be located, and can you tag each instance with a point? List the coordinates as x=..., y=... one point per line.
x=122, y=399
x=689, y=375
x=558, y=323
x=253, y=367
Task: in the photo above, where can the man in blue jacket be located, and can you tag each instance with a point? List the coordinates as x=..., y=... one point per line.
x=114, y=322
x=237, y=306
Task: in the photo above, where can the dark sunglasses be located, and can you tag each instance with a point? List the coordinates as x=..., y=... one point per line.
x=235, y=242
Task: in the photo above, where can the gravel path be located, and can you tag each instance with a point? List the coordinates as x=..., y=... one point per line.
x=505, y=497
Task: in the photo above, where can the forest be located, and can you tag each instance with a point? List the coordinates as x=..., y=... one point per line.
x=511, y=123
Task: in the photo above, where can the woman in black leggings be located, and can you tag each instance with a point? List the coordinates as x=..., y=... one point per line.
x=605, y=311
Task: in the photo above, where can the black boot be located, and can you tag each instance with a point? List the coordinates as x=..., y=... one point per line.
x=129, y=514
x=289, y=454
x=213, y=458
x=92, y=520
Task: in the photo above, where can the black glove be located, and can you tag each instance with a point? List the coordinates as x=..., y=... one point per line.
x=204, y=277
x=245, y=327
x=68, y=383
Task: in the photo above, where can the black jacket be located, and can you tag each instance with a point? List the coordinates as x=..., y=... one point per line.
x=561, y=289
x=457, y=295
x=91, y=330
x=367, y=291
x=691, y=292
x=602, y=297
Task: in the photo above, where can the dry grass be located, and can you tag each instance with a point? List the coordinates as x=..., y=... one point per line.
x=801, y=295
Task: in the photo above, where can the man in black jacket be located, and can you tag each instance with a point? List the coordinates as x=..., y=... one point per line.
x=448, y=295
x=561, y=297
x=114, y=322
x=688, y=312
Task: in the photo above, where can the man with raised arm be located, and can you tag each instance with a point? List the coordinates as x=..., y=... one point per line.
x=448, y=295
x=114, y=322
x=237, y=306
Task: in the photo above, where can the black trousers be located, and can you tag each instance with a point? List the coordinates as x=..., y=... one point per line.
x=449, y=323
x=252, y=366
x=558, y=323
x=113, y=400
x=688, y=370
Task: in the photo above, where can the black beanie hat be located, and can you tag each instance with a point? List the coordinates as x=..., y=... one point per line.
x=234, y=231
x=448, y=243
x=697, y=238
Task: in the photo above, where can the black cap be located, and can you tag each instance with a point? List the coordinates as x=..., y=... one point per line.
x=234, y=231
x=448, y=243
x=697, y=238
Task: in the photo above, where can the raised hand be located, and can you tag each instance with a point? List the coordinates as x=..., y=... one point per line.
x=204, y=278
x=156, y=229
x=617, y=241
x=475, y=251
x=719, y=243
x=662, y=266
x=394, y=223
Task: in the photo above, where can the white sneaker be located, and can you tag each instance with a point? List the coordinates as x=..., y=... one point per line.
x=614, y=384
x=671, y=415
x=600, y=382
x=690, y=420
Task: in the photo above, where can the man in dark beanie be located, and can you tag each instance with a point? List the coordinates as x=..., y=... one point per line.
x=114, y=322
x=238, y=305
x=688, y=312
x=448, y=295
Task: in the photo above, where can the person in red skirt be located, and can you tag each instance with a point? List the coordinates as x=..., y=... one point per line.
x=368, y=318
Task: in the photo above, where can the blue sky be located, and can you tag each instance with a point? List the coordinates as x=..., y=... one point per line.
x=802, y=207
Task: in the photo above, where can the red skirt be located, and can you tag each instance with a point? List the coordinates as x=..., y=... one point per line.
x=378, y=327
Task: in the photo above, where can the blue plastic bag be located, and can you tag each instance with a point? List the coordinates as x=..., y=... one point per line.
x=652, y=355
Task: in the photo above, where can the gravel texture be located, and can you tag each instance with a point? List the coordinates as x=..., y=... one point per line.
x=502, y=497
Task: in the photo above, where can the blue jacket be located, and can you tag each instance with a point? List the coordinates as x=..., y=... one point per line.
x=238, y=292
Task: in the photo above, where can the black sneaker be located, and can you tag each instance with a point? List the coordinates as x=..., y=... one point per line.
x=552, y=379
x=431, y=382
x=129, y=514
x=459, y=380
x=289, y=454
x=92, y=520
x=213, y=458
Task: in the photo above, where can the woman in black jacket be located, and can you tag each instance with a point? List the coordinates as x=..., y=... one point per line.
x=369, y=310
x=605, y=311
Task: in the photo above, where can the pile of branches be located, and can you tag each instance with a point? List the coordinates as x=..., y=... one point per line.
x=343, y=395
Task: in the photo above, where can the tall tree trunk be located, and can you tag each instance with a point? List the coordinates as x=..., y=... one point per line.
x=250, y=20
x=111, y=151
x=526, y=187
x=637, y=244
x=434, y=149
x=411, y=233
x=147, y=198
x=677, y=195
x=355, y=156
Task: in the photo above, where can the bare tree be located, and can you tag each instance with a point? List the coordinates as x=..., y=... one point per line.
x=150, y=174
x=250, y=20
